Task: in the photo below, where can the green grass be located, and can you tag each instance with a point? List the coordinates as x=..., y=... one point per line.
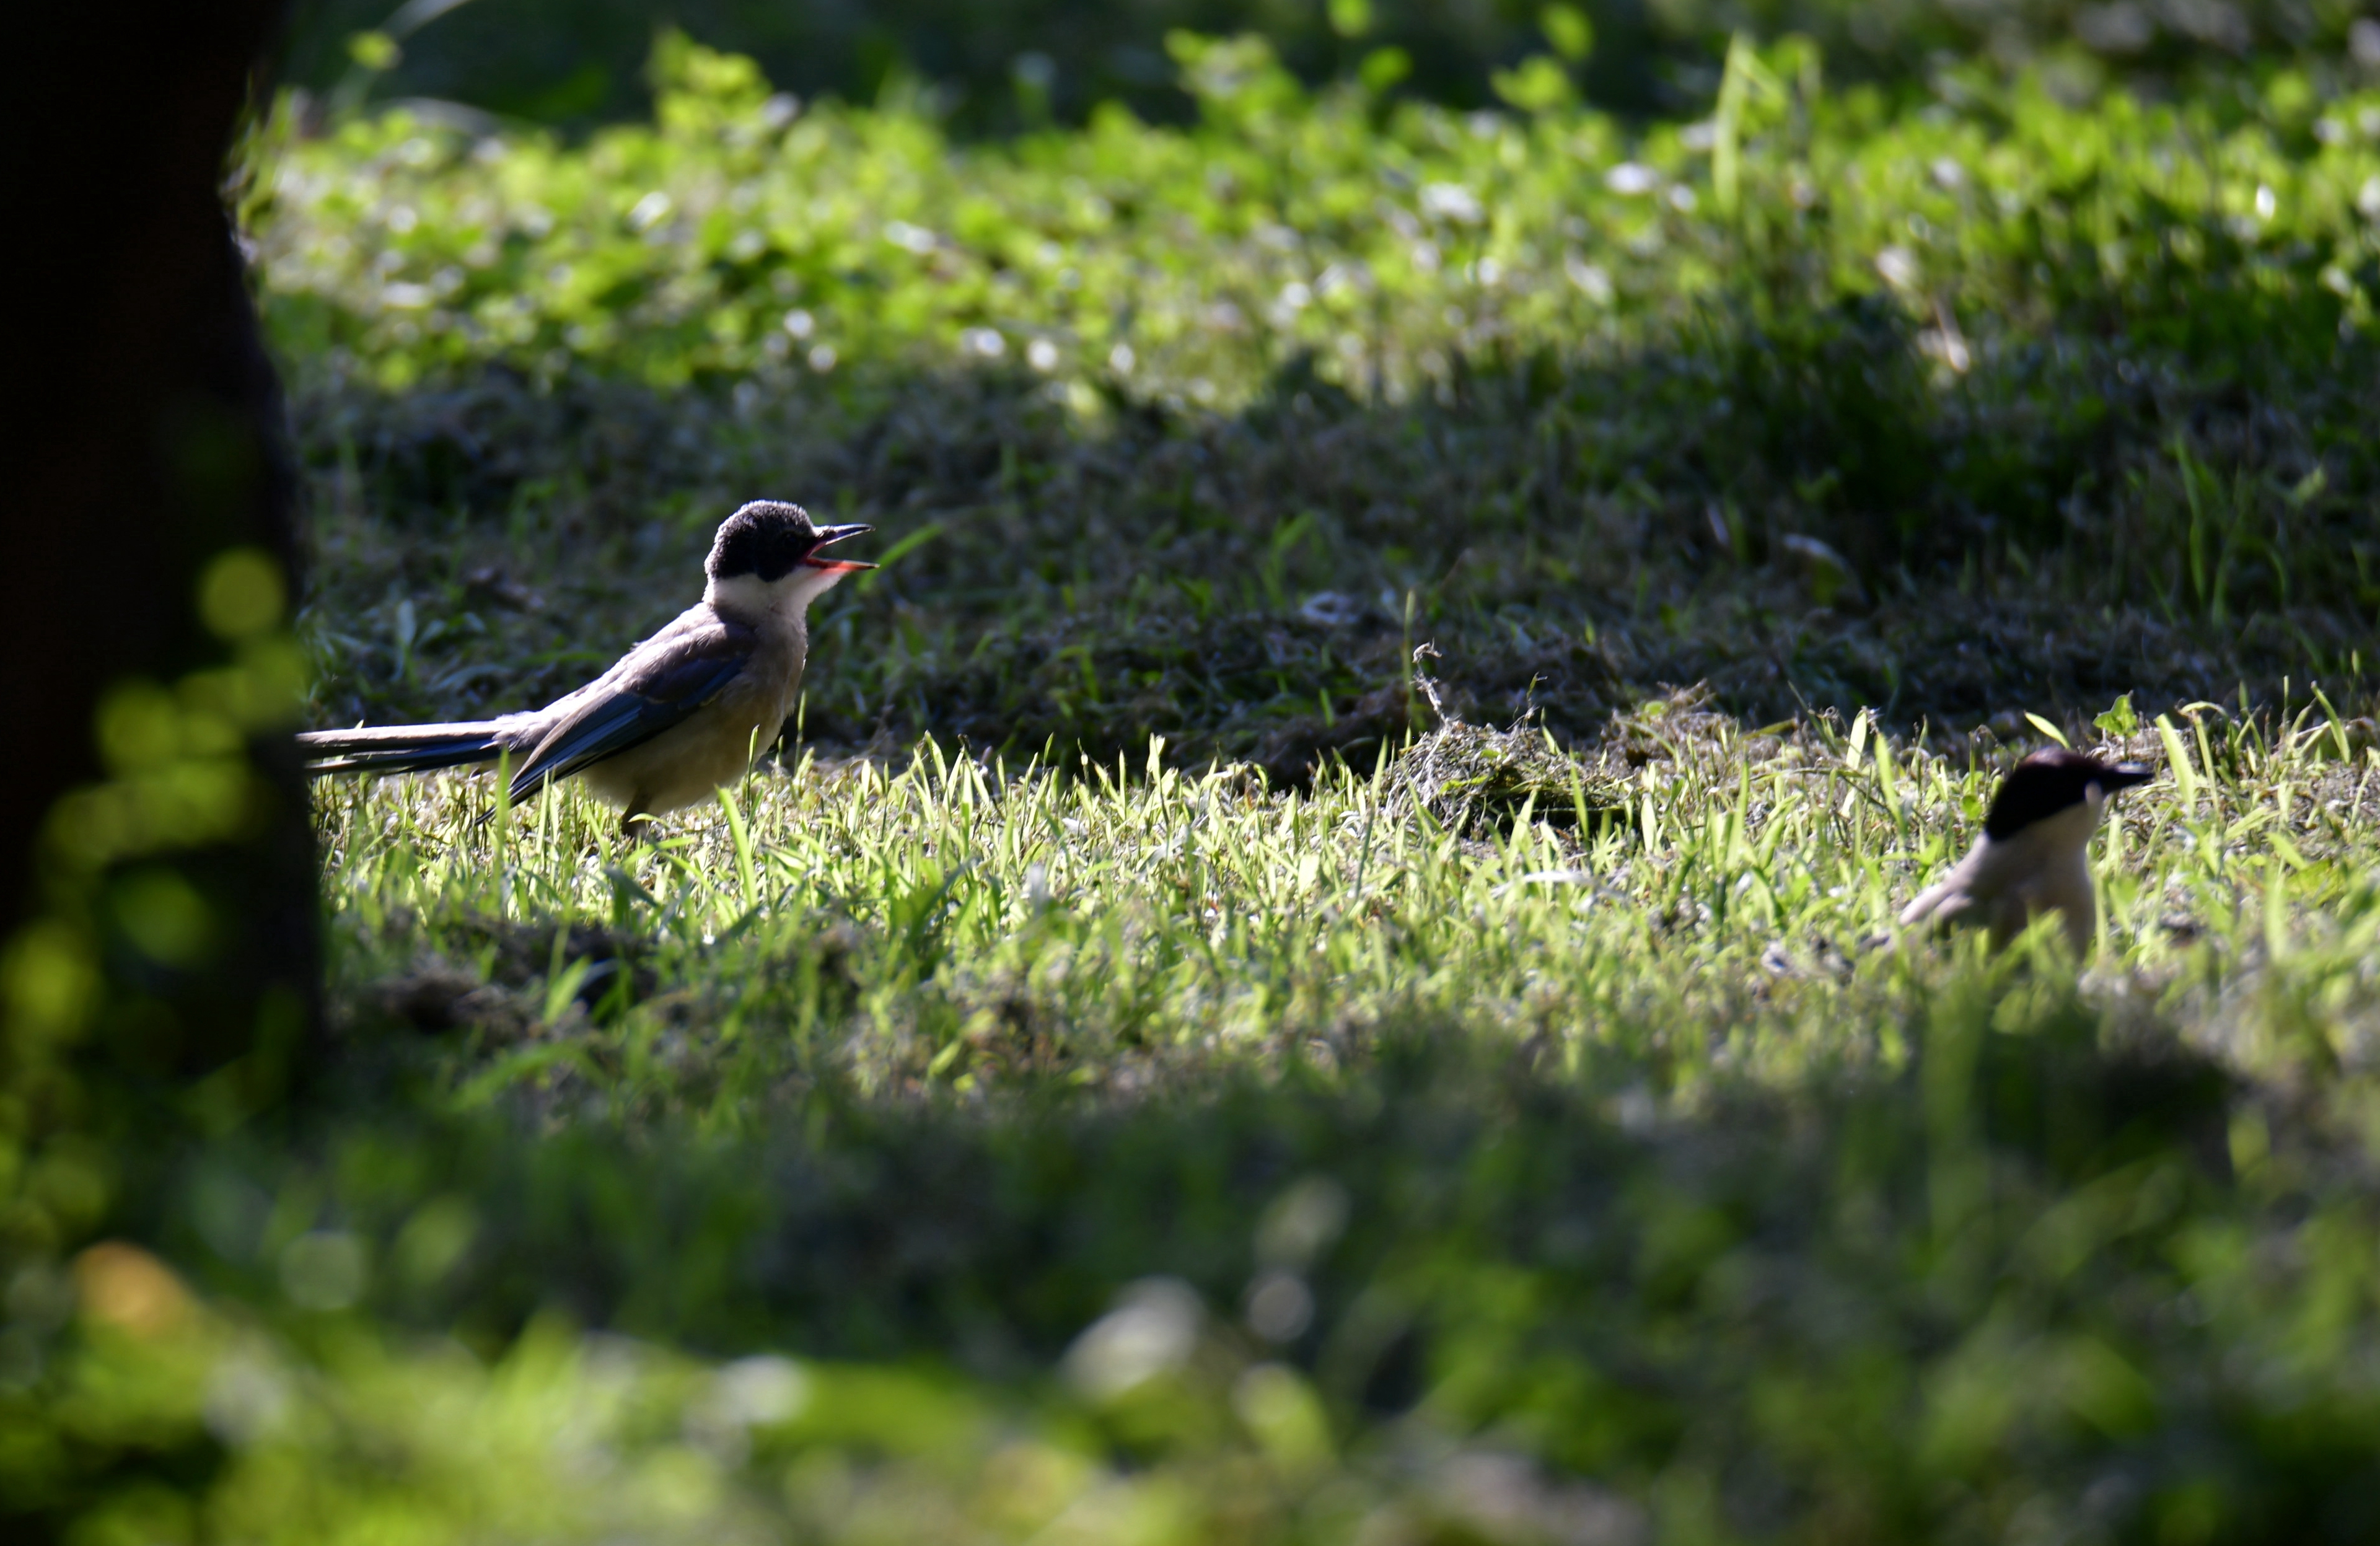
x=963, y=927
x=2073, y=391
x=1145, y=1070
x=1252, y=587
x=735, y=237
x=1632, y=1150
x=577, y=62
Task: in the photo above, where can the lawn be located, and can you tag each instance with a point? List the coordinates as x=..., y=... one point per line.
x=1317, y=962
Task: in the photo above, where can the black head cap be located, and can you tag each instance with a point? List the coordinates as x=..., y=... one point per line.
x=765, y=538
x=2050, y=781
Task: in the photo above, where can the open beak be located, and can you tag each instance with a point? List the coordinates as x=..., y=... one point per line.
x=837, y=565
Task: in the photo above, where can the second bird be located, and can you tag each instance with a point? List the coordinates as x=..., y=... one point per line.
x=2035, y=855
x=680, y=714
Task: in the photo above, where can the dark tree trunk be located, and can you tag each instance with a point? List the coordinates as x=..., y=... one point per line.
x=156, y=878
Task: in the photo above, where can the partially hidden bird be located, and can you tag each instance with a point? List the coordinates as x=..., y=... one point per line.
x=678, y=717
x=2033, y=856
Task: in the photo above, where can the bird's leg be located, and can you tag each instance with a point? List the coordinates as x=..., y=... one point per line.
x=635, y=824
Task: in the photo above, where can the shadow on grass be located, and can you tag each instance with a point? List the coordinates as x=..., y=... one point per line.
x=1808, y=517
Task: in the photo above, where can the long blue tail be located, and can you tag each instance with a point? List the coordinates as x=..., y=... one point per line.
x=401, y=748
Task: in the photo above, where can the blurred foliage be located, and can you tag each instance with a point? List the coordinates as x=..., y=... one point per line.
x=740, y=234
x=129, y=973
x=133, y=1014
x=1009, y=64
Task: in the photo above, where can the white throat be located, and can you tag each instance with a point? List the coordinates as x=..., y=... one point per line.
x=748, y=598
x=2066, y=831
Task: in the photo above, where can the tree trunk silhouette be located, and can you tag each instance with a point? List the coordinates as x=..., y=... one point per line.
x=157, y=905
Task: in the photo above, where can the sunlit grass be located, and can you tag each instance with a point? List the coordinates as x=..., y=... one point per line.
x=956, y=926
x=1389, y=243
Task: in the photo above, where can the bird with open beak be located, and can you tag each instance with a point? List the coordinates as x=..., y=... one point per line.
x=2033, y=855
x=679, y=715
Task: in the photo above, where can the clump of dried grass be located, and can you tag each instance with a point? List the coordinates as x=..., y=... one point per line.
x=1473, y=780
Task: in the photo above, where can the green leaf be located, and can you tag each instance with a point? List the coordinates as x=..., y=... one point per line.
x=376, y=52
x=1540, y=85
x=1383, y=68
x=1567, y=29
x=2119, y=720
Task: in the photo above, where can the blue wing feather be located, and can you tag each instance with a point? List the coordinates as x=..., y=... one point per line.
x=659, y=686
